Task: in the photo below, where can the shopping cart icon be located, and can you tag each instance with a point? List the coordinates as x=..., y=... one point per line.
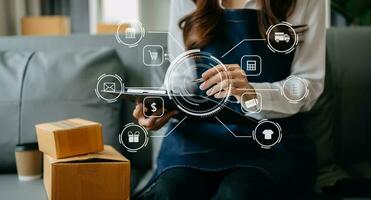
x=153, y=55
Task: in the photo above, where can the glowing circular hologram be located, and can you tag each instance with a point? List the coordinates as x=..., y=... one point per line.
x=295, y=89
x=267, y=134
x=182, y=83
x=282, y=38
x=109, y=87
x=133, y=137
x=130, y=33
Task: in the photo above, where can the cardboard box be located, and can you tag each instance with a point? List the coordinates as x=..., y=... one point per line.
x=70, y=137
x=46, y=25
x=104, y=175
x=109, y=28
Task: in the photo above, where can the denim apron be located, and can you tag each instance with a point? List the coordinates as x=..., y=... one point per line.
x=210, y=147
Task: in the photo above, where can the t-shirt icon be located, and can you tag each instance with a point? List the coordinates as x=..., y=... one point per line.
x=268, y=134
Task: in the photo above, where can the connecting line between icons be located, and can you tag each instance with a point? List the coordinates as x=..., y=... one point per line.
x=252, y=90
x=244, y=40
x=163, y=136
x=169, y=57
x=237, y=136
x=171, y=35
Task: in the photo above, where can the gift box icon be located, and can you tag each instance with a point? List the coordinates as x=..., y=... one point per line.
x=133, y=137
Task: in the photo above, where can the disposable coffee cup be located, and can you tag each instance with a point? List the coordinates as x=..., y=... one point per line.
x=29, y=161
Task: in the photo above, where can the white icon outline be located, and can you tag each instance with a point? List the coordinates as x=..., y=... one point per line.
x=109, y=87
x=140, y=27
x=121, y=135
x=115, y=76
x=260, y=65
x=129, y=33
x=303, y=81
x=145, y=53
x=259, y=98
x=281, y=37
x=296, y=38
x=265, y=146
x=251, y=65
x=162, y=103
x=133, y=137
x=268, y=134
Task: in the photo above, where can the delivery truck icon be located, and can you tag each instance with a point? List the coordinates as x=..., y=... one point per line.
x=281, y=36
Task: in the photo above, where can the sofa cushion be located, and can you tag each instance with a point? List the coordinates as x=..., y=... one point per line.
x=320, y=123
x=12, y=65
x=349, y=54
x=60, y=84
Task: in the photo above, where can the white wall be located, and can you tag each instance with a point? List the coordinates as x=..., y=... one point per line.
x=154, y=14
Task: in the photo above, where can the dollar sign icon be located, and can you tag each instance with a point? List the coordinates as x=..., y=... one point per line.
x=153, y=106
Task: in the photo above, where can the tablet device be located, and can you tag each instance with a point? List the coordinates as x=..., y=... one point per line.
x=230, y=114
x=138, y=94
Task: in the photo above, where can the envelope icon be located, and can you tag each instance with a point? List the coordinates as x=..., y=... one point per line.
x=109, y=87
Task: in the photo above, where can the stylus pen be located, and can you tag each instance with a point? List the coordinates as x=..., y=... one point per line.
x=200, y=80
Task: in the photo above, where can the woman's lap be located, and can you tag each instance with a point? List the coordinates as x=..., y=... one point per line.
x=247, y=183
x=186, y=183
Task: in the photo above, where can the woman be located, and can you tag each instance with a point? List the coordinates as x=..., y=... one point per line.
x=203, y=161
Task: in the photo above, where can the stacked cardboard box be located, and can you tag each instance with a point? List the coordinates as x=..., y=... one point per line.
x=110, y=28
x=46, y=25
x=77, y=165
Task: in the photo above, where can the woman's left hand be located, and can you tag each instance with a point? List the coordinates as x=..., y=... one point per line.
x=217, y=82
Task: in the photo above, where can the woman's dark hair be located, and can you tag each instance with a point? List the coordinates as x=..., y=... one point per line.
x=199, y=27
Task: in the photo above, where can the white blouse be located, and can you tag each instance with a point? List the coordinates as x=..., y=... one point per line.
x=309, y=61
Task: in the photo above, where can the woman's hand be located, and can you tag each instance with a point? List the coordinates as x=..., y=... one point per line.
x=152, y=123
x=217, y=82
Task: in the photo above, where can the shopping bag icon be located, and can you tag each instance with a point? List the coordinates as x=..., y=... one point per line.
x=133, y=137
x=109, y=87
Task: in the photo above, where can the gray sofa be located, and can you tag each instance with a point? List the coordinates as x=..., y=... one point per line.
x=339, y=123
x=53, y=78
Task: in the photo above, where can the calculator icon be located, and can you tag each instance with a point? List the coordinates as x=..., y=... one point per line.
x=251, y=65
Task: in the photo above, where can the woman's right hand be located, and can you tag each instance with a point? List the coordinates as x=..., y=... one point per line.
x=152, y=123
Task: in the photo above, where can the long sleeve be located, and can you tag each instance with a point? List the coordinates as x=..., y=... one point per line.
x=309, y=64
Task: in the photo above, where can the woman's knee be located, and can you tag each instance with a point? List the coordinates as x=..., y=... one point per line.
x=246, y=184
x=161, y=191
x=180, y=183
x=168, y=186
